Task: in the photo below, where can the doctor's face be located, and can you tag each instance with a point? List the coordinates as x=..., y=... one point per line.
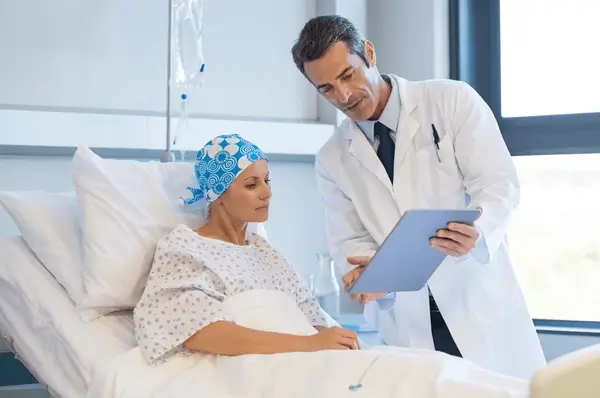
x=346, y=81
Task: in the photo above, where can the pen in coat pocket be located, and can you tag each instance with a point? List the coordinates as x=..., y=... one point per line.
x=436, y=143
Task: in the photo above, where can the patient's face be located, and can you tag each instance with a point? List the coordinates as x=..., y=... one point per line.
x=248, y=197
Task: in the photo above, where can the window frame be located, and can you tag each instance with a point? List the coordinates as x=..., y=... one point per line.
x=474, y=33
x=475, y=59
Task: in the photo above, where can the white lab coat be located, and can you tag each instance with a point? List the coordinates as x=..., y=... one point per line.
x=478, y=294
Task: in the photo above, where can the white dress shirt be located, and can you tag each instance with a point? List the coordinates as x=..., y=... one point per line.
x=389, y=117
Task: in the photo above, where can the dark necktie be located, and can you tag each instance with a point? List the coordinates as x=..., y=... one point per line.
x=385, y=152
x=386, y=148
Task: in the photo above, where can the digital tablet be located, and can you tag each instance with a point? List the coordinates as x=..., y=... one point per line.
x=405, y=261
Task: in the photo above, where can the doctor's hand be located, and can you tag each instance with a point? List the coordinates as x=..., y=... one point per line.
x=457, y=240
x=350, y=277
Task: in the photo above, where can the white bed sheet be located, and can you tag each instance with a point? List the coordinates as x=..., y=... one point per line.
x=389, y=372
x=40, y=324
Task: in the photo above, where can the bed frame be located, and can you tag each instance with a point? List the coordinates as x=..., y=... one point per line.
x=17, y=381
x=576, y=374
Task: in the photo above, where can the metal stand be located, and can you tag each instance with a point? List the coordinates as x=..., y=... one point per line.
x=169, y=156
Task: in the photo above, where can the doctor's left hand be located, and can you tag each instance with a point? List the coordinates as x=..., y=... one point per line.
x=457, y=240
x=350, y=277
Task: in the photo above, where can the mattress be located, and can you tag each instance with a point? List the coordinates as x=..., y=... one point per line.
x=40, y=324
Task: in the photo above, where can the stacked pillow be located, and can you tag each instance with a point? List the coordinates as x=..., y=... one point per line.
x=49, y=225
x=99, y=241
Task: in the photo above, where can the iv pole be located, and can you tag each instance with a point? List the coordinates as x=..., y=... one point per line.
x=169, y=156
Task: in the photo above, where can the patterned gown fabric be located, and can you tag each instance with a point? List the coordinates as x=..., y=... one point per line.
x=193, y=275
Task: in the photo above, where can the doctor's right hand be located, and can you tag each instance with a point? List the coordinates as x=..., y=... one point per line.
x=350, y=277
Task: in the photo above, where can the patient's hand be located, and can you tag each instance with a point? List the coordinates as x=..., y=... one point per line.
x=350, y=277
x=333, y=338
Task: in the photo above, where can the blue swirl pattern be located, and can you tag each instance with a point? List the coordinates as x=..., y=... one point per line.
x=219, y=163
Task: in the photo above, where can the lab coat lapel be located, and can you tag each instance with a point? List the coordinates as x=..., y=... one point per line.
x=361, y=149
x=407, y=128
x=407, y=125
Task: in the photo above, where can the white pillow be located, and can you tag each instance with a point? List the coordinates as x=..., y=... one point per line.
x=125, y=207
x=49, y=225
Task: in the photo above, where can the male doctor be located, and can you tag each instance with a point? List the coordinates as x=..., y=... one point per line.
x=428, y=144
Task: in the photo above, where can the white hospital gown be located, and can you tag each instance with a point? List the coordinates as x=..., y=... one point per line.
x=192, y=275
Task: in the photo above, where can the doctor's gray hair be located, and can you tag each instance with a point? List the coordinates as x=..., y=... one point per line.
x=320, y=33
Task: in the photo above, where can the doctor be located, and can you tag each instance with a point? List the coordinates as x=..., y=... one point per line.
x=428, y=144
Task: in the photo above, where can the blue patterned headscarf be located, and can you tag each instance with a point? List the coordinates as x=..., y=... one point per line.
x=219, y=163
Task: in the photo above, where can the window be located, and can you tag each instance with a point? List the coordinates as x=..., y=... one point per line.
x=553, y=238
x=536, y=63
x=550, y=57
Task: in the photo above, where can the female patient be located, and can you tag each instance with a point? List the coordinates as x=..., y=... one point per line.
x=195, y=271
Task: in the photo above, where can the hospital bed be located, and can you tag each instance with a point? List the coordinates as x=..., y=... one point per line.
x=39, y=324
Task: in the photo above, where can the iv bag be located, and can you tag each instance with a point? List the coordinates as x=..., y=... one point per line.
x=188, y=59
x=188, y=62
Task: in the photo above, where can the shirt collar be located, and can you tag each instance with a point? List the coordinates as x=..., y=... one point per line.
x=389, y=117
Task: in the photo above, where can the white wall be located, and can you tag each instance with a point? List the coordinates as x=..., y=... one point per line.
x=112, y=54
x=410, y=37
x=95, y=72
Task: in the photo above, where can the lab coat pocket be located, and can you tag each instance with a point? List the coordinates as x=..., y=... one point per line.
x=487, y=299
x=438, y=172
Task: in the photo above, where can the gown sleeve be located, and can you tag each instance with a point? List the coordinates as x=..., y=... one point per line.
x=309, y=305
x=181, y=297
